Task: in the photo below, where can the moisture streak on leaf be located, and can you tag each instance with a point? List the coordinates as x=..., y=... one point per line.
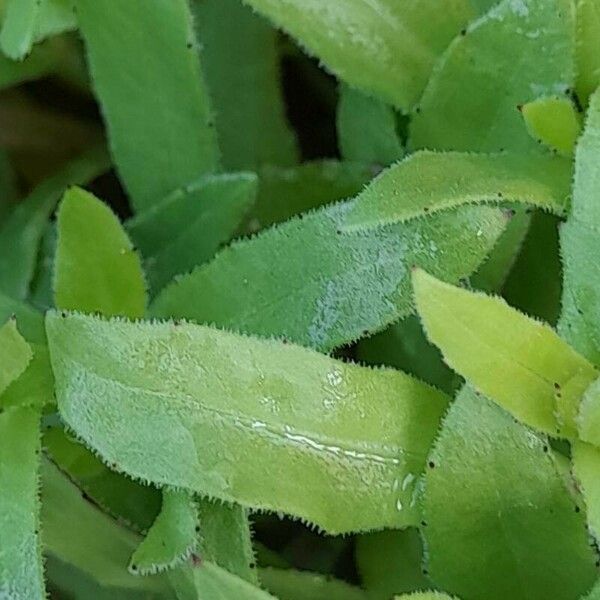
x=198, y=408
x=520, y=363
x=309, y=282
x=21, y=572
x=171, y=539
x=96, y=267
x=382, y=47
x=427, y=182
x=146, y=73
x=500, y=522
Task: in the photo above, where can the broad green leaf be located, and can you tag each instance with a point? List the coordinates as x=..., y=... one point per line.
x=580, y=244
x=207, y=580
x=171, y=539
x=18, y=27
x=471, y=100
x=122, y=498
x=554, y=122
x=586, y=470
x=285, y=192
x=20, y=235
x=390, y=562
x=230, y=406
x=518, y=362
x=323, y=288
x=289, y=584
x=366, y=129
x=15, y=354
x=382, y=47
x=21, y=570
x=241, y=60
x=427, y=182
x=500, y=522
x=77, y=533
x=146, y=73
x=588, y=48
x=188, y=227
x=225, y=538
x=96, y=267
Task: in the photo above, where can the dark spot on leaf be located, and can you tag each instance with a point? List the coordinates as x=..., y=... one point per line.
x=431, y=464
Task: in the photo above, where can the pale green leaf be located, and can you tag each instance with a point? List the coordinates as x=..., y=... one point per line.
x=471, y=100
x=323, y=288
x=230, y=405
x=20, y=235
x=21, y=570
x=427, y=182
x=500, y=522
x=588, y=420
x=289, y=584
x=146, y=73
x=518, y=362
x=18, y=27
x=171, y=539
x=367, y=129
x=187, y=228
x=554, y=122
x=241, y=60
x=15, y=354
x=96, y=267
x=588, y=48
x=382, y=47
x=426, y=596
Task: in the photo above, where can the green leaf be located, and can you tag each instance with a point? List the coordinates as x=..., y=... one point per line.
x=240, y=56
x=361, y=433
x=79, y=534
x=31, y=322
x=289, y=584
x=588, y=48
x=42, y=293
x=499, y=521
x=427, y=182
x=554, y=122
x=146, y=74
x=20, y=235
x=96, y=267
x=171, y=539
x=186, y=228
x=225, y=538
x=381, y=47
x=15, y=354
x=588, y=420
x=390, y=562
x=323, y=288
x=579, y=322
x=518, y=362
x=366, y=129
x=586, y=470
x=21, y=570
x=471, y=100
x=426, y=596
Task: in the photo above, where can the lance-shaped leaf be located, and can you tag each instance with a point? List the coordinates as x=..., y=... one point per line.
x=554, y=122
x=146, y=73
x=96, y=267
x=580, y=244
x=171, y=539
x=382, y=47
x=324, y=288
x=586, y=469
x=188, y=227
x=15, y=354
x=240, y=56
x=520, y=363
x=434, y=181
x=500, y=522
x=390, y=562
x=78, y=534
x=21, y=571
x=289, y=584
x=471, y=100
x=21, y=234
x=588, y=48
x=367, y=129
x=345, y=436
